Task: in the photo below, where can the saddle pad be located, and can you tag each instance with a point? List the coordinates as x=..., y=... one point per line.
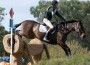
x=42, y=28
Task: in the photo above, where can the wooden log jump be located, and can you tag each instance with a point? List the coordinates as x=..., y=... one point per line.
x=33, y=50
x=18, y=44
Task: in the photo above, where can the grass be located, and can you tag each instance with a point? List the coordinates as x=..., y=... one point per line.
x=74, y=60
x=80, y=55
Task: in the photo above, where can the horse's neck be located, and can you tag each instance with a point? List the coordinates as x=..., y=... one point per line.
x=69, y=26
x=66, y=28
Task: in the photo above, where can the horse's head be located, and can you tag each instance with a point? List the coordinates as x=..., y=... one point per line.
x=78, y=27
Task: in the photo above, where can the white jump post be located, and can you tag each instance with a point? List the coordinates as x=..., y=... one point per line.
x=11, y=30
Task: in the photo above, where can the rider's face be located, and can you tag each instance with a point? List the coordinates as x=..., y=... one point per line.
x=55, y=6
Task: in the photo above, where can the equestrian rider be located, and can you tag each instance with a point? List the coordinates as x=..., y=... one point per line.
x=51, y=11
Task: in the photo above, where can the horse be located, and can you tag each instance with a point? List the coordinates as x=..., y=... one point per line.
x=30, y=29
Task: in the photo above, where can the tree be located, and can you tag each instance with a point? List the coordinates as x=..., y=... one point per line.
x=73, y=9
x=2, y=14
x=39, y=10
x=2, y=32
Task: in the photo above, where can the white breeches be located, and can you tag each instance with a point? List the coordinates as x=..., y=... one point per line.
x=48, y=23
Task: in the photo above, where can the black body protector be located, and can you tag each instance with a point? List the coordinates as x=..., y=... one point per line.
x=51, y=12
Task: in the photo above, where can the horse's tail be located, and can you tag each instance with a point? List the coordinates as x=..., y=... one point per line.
x=16, y=25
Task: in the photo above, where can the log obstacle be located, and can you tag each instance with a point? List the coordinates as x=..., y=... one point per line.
x=18, y=44
x=33, y=50
x=35, y=46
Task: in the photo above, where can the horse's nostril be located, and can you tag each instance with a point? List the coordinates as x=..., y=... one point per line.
x=83, y=36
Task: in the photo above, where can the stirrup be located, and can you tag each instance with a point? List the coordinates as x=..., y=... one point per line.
x=45, y=39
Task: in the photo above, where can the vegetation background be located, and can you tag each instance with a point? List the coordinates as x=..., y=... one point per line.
x=73, y=9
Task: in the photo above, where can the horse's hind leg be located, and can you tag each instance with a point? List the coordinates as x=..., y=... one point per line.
x=66, y=49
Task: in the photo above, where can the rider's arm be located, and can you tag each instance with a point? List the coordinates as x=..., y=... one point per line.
x=59, y=15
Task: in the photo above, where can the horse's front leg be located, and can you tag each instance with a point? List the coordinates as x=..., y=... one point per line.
x=65, y=48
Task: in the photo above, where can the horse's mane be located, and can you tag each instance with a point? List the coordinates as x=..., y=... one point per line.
x=67, y=22
x=71, y=21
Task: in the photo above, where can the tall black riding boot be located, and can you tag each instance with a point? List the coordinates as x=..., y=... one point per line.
x=45, y=37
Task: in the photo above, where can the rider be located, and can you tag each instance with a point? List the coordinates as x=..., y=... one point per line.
x=51, y=11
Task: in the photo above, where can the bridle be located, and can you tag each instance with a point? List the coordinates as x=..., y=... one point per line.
x=77, y=27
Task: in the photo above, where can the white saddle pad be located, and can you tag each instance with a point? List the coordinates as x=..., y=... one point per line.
x=42, y=28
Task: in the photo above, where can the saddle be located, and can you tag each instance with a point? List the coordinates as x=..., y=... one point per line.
x=43, y=28
x=54, y=30
x=50, y=35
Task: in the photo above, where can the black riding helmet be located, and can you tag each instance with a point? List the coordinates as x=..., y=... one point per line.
x=54, y=2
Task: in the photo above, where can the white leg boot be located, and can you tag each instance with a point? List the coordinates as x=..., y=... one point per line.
x=45, y=37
